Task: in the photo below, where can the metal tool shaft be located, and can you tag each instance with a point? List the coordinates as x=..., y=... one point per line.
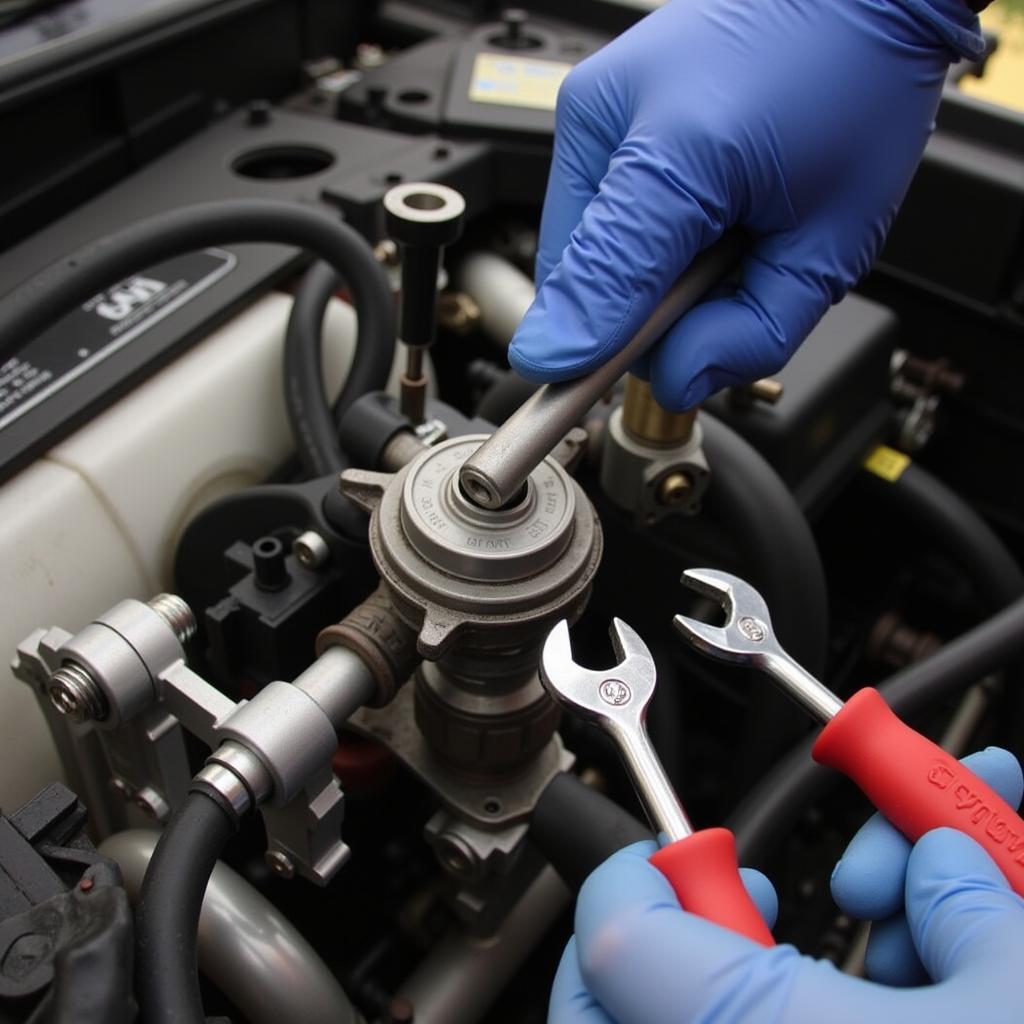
x=801, y=686
x=660, y=802
x=494, y=474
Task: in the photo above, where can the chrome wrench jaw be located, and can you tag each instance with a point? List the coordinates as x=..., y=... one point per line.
x=607, y=697
x=747, y=639
x=616, y=701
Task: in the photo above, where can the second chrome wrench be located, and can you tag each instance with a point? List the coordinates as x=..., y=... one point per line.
x=700, y=866
x=910, y=779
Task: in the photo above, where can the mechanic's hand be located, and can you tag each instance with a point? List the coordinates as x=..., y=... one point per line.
x=803, y=122
x=870, y=880
x=636, y=958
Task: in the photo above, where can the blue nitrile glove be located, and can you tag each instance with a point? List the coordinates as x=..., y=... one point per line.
x=802, y=120
x=869, y=881
x=637, y=958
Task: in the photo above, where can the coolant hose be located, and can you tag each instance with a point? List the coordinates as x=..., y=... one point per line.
x=962, y=534
x=313, y=424
x=167, y=916
x=771, y=809
x=45, y=298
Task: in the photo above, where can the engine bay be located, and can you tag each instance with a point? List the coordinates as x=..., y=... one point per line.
x=241, y=558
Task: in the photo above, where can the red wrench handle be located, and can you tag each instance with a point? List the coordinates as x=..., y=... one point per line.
x=916, y=784
x=703, y=872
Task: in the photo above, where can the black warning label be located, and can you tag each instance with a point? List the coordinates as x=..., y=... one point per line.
x=101, y=327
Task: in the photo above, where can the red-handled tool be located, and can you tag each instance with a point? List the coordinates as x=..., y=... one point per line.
x=701, y=866
x=911, y=780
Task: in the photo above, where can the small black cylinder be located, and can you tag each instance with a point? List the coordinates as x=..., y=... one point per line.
x=268, y=564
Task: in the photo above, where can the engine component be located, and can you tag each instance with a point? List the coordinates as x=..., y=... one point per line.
x=833, y=408
x=517, y=568
x=494, y=473
x=423, y=218
x=488, y=82
x=500, y=289
x=65, y=925
x=125, y=674
x=480, y=589
x=460, y=979
x=653, y=462
x=237, y=927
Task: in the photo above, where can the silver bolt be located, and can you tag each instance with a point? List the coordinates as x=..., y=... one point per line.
x=173, y=610
x=311, y=550
x=150, y=802
x=74, y=693
x=280, y=863
x=368, y=56
x=456, y=855
x=118, y=785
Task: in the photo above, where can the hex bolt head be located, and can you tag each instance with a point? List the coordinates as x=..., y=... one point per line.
x=119, y=786
x=76, y=694
x=456, y=855
x=151, y=803
x=280, y=863
x=311, y=550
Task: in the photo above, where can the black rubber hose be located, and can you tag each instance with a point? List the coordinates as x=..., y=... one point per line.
x=768, y=526
x=934, y=509
x=576, y=827
x=770, y=810
x=504, y=397
x=45, y=298
x=931, y=507
x=167, y=916
x=313, y=424
x=780, y=557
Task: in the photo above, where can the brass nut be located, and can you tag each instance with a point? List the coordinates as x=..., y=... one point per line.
x=457, y=312
x=674, y=489
x=767, y=390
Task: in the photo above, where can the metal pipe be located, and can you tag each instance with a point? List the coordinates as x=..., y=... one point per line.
x=340, y=682
x=462, y=977
x=501, y=290
x=247, y=949
x=500, y=466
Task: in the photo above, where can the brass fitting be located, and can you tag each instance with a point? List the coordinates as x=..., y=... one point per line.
x=648, y=423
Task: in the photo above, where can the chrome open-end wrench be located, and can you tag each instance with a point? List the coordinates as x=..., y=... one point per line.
x=700, y=866
x=911, y=780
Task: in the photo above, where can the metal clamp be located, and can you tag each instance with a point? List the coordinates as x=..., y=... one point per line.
x=123, y=680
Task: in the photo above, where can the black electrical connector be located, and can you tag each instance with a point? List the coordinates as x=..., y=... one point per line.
x=65, y=923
